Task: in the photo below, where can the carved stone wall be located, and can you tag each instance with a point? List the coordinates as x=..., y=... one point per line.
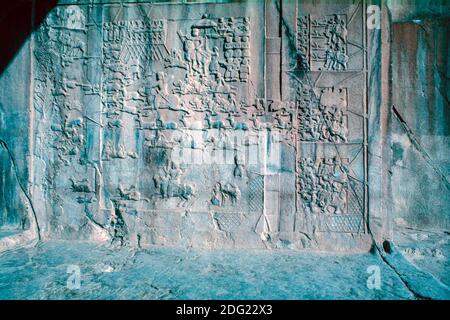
x=327, y=73
x=241, y=124
x=15, y=117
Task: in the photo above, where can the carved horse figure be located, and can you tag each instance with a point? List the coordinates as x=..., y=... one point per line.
x=185, y=192
x=168, y=189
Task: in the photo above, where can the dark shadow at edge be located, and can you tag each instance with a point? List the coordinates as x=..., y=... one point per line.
x=18, y=19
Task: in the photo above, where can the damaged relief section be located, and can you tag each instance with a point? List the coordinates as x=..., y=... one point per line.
x=188, y=125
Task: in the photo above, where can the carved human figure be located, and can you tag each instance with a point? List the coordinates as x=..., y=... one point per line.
x=216, y=198
x=339, y=199
x=330, y=59
x=162, y=184
x=239, y=166
x=335, y=30
x=231, y=25
x=118, y=225
x=341, y=33
x=231, y=121
x=246, y=25
x=221, y=26
x=244, y=70
x=219, y=85
x=339, y=171
x=182, y=119
x=229, y=69
x=336, y=125
x=234, y=66
x=159, y=91
x=325, y=169
x=207, y=121
x=341, y=60
x=232, y=105
x=161, y=84
x=214, y=63
x=170, y=173
x=222, y=193
x=203, y=60
x=255, y=121
x=246, y=47
x=192, y=46
x=108, y=150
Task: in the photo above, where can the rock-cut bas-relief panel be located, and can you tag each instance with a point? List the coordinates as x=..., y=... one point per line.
x=178, y=93
x=150, y=118
x=325, y=73
x=66, y=99
x=152, y=126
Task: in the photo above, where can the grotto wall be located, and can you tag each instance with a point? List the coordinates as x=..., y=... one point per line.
x=14, y=143
x=145, y=131
x=420, y=123
x=15, y=155
x=251, y=124
x=18, y=220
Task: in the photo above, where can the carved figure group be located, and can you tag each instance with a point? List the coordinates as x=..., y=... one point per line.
x=323, y=185
x=322, y=42
x=336, y=33
x=168, y=184
x=318, y=122
x=224, y=193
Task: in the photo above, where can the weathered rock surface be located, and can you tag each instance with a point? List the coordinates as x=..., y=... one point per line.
x=175, y=124
x=234, y=125
x=187, y=125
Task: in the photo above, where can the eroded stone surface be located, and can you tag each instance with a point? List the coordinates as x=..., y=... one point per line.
x=420, y=144
x=157, y=124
